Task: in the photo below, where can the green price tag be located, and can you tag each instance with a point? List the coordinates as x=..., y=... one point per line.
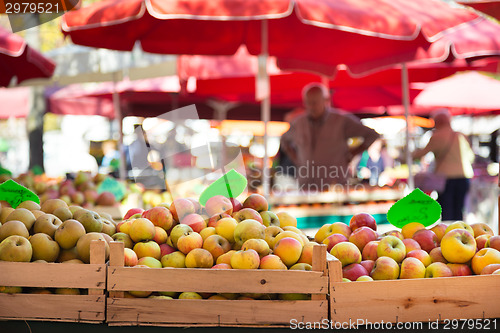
x=14, y=193
x=112, y=185
x=5, y=172
x=230, y=185
x=415, y=207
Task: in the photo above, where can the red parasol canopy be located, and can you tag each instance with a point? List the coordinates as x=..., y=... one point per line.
x=490, y=7
x=469, y=93
x=304, y=34
x=19, y=60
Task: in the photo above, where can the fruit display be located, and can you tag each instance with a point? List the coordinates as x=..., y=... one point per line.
x=224, y=234
x=413, y=251
x=51, y=232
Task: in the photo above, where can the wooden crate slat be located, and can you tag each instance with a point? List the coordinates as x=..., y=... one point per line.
x=218, y=312
x=416, y=300
x=52, y=275
x=57, y=307
x=220, y=281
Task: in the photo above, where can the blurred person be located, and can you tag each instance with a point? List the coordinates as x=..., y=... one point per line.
x=317, y=141
x=111, y=160
x=374, y=161
x=453, y=159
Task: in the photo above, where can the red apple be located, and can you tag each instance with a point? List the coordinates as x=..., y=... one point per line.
x=236, y=204
x=180, y=208
x=460, y=269
x=195, y=221
x=246, y=214
x=160, y=216
x=368, y=264
x=105, y=199
x=218, y=204
x=361, y=236
x=439, y=230
x=166, y=249
x=354, y=271
x=370, y=251
x=482, y=240
x=489, y=269
x=256, y=202
x=362, y=220
x=333, y=239
x=494, y=242
x=216, y=217
x=411, y=244
x=133, y=211
x=437, y=256
x=426, y=238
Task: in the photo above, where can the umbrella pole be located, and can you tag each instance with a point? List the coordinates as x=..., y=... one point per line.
x=406, y=103
x=263, y=93
x=119, y=119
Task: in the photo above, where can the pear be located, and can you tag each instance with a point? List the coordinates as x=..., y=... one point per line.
x=13, y=228
x=23, y=215
x=44, y=247
x=68, y=233
x=47, y=224
x=91, y=221
x=16, y=248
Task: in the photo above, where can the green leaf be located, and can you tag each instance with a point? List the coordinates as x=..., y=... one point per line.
x=415, y=207
x=230, y=185
x=15, y=193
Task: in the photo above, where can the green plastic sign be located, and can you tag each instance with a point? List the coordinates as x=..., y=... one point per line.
x=230, y=185
x=415, y=207
x=4, y=171
x=112, y=185
x=15, y=193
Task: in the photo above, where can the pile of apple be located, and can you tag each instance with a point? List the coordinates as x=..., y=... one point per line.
x=52, y=232
x=225, y=234
x=413, y=252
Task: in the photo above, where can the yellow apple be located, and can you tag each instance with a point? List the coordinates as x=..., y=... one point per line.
x=248, y=259
x=460, y=225
x=258, y=245
x=225, y=227
x=147, y=249
x=225, y=258
x=409, y=229
x=271, y=261
x=483, y=258
x=412, y=268
x=175, y=259
x=458, y=246
x=270, y=235
x=199, y=258
x=289, y=250
x=142, y=230
x=286, y=219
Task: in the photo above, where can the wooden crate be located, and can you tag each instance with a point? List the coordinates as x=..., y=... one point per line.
x=413, y=300
x=164, y=312
x=54, y=307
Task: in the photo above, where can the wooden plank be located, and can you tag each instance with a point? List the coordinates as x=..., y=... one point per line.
x=97, y=256
x=416, y=300
x=319, y=265
x=52, y=275
x=335, y=270
x=259, y=312
x=57, y=307
x=117, y=259
x=219, y=281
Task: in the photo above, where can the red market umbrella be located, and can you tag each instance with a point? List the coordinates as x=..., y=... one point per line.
x=489, y=7
x=232, y=78
x=78, y=99
x=18, y=59
x=303, y=34
x=469, y=93
x=15, y=102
